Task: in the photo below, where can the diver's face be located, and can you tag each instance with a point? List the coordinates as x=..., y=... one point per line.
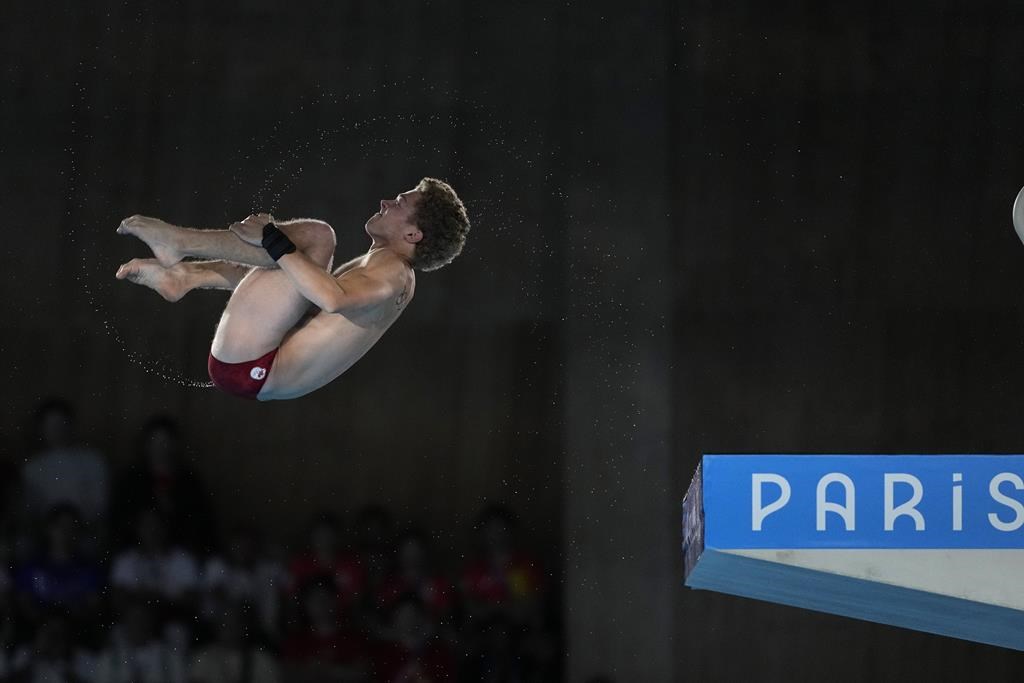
x=396, y=216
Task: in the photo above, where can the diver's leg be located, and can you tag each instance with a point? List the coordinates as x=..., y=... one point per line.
x=266, y=305
x=181, y=278
x=171, y=243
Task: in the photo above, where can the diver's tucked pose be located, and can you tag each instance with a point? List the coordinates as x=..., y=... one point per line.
x=291, y=324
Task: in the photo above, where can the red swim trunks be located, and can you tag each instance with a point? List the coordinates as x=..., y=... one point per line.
x=241, y=379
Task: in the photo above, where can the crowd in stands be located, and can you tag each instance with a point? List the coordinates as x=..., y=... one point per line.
x=123, y=575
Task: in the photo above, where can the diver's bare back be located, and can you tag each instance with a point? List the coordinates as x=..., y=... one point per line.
x=324, y=345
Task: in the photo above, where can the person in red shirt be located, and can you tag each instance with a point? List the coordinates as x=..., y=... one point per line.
x=322, y=642
x=410, y=650
x=158, y=476
x=503, y=591
x=501, y=578
x=325, y=557
x=414, y=573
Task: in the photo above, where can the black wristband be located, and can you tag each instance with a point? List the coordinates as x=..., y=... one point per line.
x=276, y=242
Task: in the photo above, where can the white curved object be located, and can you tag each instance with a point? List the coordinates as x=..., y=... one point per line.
x=1018, y=214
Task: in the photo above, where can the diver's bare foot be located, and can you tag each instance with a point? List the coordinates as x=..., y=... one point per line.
x=170, y=283
x=157, y=234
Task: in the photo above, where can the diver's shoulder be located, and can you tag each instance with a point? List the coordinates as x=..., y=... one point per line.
x=387, y=259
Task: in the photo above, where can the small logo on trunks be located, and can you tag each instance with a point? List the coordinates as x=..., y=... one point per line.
x=258, y=373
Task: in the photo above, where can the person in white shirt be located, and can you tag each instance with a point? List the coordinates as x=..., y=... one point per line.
x=243, y=575
x=161, y=573
x=63, y=471
x=155, y=566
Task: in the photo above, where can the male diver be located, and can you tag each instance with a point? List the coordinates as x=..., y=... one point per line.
x=292, y=325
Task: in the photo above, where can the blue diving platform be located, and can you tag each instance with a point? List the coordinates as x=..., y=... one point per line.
x=928, y=542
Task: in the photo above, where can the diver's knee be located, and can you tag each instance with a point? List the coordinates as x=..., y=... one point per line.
x=315, y=238
x=312, y=237
x=320, y=234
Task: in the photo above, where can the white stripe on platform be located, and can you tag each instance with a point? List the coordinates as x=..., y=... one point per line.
x=992, y=577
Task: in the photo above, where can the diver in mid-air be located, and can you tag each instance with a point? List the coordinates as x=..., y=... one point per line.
x=292, y=324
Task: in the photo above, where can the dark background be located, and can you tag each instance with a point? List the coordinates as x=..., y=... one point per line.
x=697, y=227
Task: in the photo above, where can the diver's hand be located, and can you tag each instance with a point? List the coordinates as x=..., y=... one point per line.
x=250, y=230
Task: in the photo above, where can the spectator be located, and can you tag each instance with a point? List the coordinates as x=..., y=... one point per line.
x=136, y=652
x=411, y=651
x=155, y=570
x=52, y=657
x=242, y=575
x=325, y=557
x=233, y=657
x=502, y=589
x=414, y=573
x=59, y=578
x=501, y=578
x=322, y=644
x=62, y=470
x=158, y=478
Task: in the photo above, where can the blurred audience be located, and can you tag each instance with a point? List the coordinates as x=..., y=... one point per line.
x=325, y=556
x=161, y=573
x=234, y=656
x=137, y=651
x=502, y=578
x=410, y=649
x=62, y=470
x=8, y=641
x=51, y=656
x=157, y=478
x=414, y=572
x=323, y=642
x=243, y=575
x=375, y=529
x=503, y=593
x=496, y=652
x=157, y=599
x=59, y=577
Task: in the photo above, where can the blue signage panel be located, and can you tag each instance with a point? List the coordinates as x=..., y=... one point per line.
x=863, y=501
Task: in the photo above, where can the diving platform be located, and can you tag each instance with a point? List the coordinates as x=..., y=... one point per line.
x=928, y=542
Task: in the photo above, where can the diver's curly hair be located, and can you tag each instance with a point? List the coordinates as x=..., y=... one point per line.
x=441, y=217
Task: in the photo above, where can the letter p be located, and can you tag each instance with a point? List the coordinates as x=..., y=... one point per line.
x=758, y=511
